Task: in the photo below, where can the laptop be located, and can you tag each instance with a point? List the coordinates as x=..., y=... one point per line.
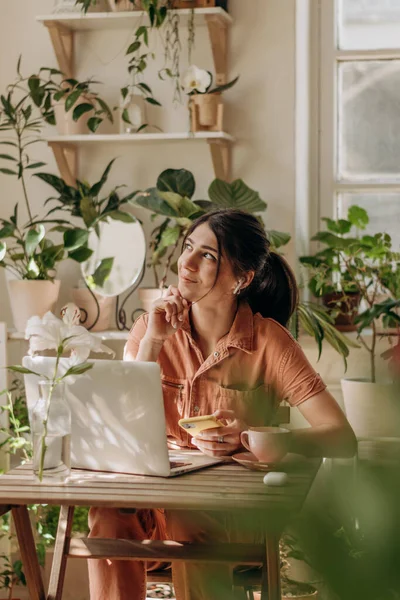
x=118, y=419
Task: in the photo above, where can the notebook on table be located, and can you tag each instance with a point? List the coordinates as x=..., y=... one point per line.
x=118, y=419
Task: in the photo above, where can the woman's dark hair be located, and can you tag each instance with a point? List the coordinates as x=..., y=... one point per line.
x=242, y=239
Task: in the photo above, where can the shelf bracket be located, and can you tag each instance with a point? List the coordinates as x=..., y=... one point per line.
x=221, y=158
x=62, y=39
x=218, y=32
x=66, y=159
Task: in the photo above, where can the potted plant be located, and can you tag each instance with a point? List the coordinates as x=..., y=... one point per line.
x=371, y=263
x=328, y=280
x=205, y=102
x=86, y=203
x=26, y=252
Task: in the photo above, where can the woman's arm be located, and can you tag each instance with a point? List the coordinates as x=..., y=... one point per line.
x=330, y=434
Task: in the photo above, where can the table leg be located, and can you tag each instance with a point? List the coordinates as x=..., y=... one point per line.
x=271, y=576
x=28, y=552
x=61, y=549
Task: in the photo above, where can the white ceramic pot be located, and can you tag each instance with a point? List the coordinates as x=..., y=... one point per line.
x=147, y=296
x=372, y=409
x=30, y=298
x=85, y=301
x=64, y=121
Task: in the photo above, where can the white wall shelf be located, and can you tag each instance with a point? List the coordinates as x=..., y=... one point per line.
x=125, y=20
x=65, y=148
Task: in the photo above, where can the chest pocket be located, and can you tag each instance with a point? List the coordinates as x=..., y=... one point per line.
x=174, y=402
x=256, y=406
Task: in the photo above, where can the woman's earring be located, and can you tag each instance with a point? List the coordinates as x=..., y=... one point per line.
x=236, y=291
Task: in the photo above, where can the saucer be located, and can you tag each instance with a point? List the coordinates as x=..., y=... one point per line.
x=247, y=459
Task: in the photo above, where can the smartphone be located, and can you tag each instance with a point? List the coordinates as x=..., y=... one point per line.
x=193, y=425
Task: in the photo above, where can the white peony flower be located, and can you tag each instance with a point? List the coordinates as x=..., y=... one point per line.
x=196, y=80
x=50, y=333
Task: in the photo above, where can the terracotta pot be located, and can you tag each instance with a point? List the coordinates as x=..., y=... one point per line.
x=30, y=298
x=348, y=307
x=64, y=121
x=372, y=409
x=85, y=301
x=147, y=296
x=206, y=112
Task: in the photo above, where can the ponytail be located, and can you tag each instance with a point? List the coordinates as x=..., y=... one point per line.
x=274, y=292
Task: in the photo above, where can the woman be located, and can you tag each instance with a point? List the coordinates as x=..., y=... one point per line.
x=222, y=346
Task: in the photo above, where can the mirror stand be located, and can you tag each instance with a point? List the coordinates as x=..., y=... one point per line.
x=120, y=312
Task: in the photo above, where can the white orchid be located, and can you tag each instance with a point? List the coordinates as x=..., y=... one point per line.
x=196, y=80
x=51, y=333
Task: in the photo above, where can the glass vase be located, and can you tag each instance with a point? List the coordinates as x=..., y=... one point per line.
x=51, y=434
x=133, y=108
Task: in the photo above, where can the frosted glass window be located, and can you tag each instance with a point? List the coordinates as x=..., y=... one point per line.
x=369, y=120
x=383, y=210
x=368, y=24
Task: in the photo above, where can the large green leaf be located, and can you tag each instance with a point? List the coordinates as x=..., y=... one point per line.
x=278, y=238
x=81, y=254
x=50, y=255
x=235, y=195
x=358, y=216
x=3, y=250
x=153, y=200
x=7, y=231
x=80, y=110
x=95, y=189
x=71, y=99
x=88, y=210
x=75, y=238
x=102, y=272
x=120, y=215
x=169, y=237
x=179, y=181
x=33, y=239
x=55, y=182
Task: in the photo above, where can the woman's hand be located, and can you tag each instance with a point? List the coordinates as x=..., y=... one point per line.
x=167, y=314
x=221, y=441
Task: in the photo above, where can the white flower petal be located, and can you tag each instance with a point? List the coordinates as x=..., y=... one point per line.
x=71, y=314
x=195, y=79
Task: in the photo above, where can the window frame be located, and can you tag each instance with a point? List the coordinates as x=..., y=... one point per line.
x=329, y=185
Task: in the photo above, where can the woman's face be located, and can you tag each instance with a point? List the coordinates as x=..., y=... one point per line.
x=197, y=269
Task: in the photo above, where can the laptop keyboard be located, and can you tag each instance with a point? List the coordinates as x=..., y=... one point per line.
x=174, y=464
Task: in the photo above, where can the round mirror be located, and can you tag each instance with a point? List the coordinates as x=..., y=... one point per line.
x=118, y=257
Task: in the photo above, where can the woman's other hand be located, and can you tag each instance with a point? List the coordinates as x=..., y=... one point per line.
x=221, y=441
x=167, y=314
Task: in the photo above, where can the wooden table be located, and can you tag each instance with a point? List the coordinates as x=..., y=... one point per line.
x=223, y=487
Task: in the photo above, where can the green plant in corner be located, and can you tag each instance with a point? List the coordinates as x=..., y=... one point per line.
x=371, y=265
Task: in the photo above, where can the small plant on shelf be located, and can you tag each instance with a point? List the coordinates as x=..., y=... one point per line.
x=205, y=102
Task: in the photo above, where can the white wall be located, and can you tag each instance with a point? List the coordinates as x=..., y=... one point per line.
x=260, y=111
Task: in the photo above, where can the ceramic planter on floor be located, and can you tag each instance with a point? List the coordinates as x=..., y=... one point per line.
x=371, y=408
x=207, y=112
x=30, y=298
x=85, y=301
